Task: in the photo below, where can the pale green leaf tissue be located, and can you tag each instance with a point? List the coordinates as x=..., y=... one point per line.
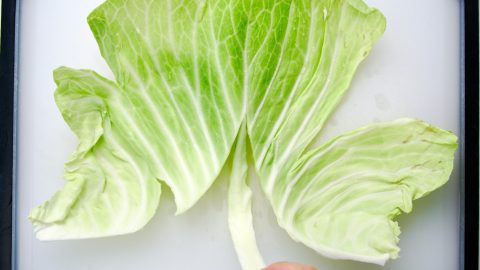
x=199, y=81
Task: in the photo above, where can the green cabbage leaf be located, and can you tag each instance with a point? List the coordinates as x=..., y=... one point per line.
x=197, y=82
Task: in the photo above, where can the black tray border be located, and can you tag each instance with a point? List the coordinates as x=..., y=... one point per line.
x=7, y=117
x=469, y=148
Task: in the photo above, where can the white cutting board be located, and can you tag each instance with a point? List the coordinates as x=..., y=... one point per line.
x=412, y=71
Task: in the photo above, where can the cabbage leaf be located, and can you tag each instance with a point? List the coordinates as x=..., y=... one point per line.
x=199, y=81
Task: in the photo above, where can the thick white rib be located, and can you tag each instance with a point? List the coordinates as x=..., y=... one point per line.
x=314, y=158
x=132, y=123
x=200, y=155
x=365, y=197
x=325, y=208
x=197, y=99
x=194, y=100
x=246, y=75
x=217, y=111
x=286, y=107
x=146, y=145
x=311, y=111
x=165, y=128
x=287, y=193
x=340, y=180
x=277, y=68
x=218, y=67
x=116, y=180
x=142, y=179
x=264, y=41
x=201, y=118
x=183, y=121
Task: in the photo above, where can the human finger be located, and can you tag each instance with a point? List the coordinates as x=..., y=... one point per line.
x=289, y=266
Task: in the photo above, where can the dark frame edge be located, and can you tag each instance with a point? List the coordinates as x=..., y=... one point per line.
x=7, y=132
x=469, y=219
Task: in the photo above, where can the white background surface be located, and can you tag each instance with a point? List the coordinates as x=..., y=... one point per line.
x=412, y=71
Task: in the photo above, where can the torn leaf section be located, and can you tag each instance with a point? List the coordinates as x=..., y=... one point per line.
x=108, y=192
x=82, y=104
x=314, y=62
x=341, y=198
x=179, y=70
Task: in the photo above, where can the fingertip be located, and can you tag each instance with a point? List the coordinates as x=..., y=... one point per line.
x=289, y=266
